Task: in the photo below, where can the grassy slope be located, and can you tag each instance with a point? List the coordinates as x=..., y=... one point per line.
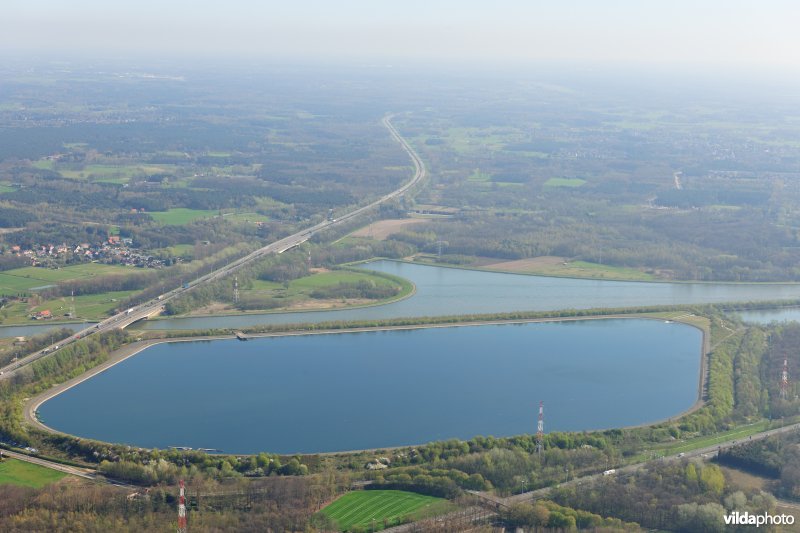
x=26, y=474
x=584, y=269
x=573, y=269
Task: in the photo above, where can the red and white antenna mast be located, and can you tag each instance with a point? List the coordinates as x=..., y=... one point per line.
x=785, y=379
x=181, y=510
x=540, y=429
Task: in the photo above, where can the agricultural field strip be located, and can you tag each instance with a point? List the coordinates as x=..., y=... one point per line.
x=21, y=277
x=19, y=283
x=64, y=274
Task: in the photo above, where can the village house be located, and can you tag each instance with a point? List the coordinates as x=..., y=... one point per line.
x=42, y=315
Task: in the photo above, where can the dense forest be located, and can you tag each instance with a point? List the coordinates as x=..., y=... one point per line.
x=776, y=457
x=684, y=496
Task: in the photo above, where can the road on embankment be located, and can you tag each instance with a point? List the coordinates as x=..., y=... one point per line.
x=154, y=306
x=496, y=503
x=82, y=472
x=85, y=473
x=703, y=453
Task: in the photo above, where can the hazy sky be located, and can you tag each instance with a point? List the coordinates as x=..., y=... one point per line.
x=696, y=32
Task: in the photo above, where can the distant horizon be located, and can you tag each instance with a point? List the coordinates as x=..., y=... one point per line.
x=764, y=81
x=144, y=59
x=698, y=34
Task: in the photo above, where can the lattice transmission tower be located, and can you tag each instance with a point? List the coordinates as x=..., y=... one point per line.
x=785, y=379
x=181, y=510
x=540, y=429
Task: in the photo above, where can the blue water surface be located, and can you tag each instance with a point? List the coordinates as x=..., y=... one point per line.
x=334, y=392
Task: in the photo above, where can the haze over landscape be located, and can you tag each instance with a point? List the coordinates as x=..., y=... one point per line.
x=406, y=266
x=712, y=33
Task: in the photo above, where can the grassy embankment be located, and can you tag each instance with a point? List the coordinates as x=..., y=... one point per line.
x=688, y=445
x=16, y=472
x=555, y=267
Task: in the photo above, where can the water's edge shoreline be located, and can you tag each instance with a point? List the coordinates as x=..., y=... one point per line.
x=32, y=405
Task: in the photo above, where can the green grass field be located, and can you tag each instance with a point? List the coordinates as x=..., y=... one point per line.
x=13, y=472
x=70, y=272
x=240, y=218
x=44, y=164
x=562, y=269
x=326, y=279
x=584, y=269
x=379, y=507
x=23, y=279
x=10, y=284
x=298, y=292
x=180, y=215
x=303, y=286
x=564, y=182
x=479, y=176
x=674, y=448
x=114, y=173
x=740, y=432
x=90, y=306
x=176, y=251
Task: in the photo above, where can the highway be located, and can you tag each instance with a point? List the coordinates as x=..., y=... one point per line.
x=495, y=504
x=156, y=305
x=702, y=453
x=85, y=473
